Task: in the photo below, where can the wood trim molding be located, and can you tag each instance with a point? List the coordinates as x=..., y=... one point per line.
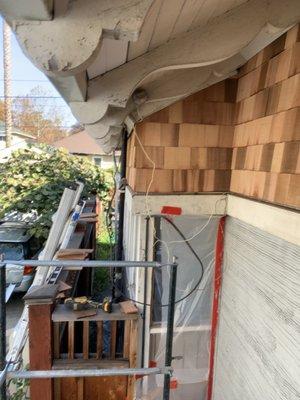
x=278, y=221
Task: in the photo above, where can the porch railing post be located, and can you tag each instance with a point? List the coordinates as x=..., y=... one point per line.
x=40, y=306
x=2, y=327
x=170, y=327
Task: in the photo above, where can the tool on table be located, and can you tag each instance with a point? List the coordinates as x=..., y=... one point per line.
x=107, y=304
x=81, y=303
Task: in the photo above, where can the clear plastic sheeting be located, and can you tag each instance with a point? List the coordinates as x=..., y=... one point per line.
x=192, y=315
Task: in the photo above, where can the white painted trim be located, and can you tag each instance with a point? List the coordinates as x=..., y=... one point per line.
x=191, y=204
x=277, y=221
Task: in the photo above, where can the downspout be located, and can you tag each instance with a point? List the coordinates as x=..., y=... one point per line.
x=145, y=292
x=121, y=200
x=120, y=210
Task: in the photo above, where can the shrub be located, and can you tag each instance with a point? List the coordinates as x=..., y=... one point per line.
x=34, y=179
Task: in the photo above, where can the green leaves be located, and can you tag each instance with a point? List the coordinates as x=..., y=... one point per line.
x=34, y=179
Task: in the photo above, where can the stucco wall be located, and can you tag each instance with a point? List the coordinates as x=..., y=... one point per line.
x=258, y=343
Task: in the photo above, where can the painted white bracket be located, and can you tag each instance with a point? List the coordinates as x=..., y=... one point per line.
x=40, y=10
x=70, y=42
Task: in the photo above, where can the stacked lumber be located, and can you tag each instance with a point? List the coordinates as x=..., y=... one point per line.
x=190, y=144
x=266, y=145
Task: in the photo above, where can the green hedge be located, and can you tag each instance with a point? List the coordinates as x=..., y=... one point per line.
x=34, y=179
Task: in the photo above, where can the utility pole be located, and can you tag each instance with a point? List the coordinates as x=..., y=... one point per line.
x=7, y=83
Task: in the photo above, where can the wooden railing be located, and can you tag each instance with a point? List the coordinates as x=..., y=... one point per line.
x=96, y=337
x=59, y=340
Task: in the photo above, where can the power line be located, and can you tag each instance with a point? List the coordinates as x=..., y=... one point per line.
x=43, y=127
x=28, y=80
x=33, y=97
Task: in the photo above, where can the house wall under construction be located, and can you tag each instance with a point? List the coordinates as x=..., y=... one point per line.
x=223, y=166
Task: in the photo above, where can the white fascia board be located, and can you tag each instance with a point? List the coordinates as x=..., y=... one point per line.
x=191, y=204
x=278, y=221
x=275, y=220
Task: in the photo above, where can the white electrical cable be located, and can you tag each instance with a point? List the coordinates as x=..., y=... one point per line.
x=148, y=211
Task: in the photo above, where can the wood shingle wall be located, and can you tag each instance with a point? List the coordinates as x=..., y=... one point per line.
x=240, y=135
x=190, y=143
x=266, y=156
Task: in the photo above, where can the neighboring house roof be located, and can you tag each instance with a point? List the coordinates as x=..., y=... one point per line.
x=80, y=143
x=15, y=132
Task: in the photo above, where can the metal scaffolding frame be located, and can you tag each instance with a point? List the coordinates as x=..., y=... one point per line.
x=24, y=374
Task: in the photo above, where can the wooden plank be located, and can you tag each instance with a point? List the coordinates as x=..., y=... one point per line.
x=139, y=47
x=126, y=339
x=80, y=389
x=99, y=340
x=113, y=339
x=132, y=358
x=86, y=313
x=166, y=19
x=86, y=339
x=92, y=363
x=57, y=389
x=56, y=340
x=40, y=349
x=106, y=388
x=68, y=387
x=128, y=307
x=62, y=313
x=70, y=339
x=73, y=251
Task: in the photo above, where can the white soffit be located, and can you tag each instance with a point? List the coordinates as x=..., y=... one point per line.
x=161, y=41
x=112, y=54
x=170, y=18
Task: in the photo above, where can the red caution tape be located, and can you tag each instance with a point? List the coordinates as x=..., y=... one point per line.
x=152, y=364
x=173, y=384
x=171, y=210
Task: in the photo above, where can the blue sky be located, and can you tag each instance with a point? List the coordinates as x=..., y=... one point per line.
x=25, y=77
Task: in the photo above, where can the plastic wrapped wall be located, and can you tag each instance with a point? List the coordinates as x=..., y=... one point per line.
x=258, y=344
x=193, y=314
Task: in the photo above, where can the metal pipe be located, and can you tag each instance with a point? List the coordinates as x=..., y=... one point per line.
x=86, y=373
x=85, y=264
x=121, y=199
x=2, y=327
x=170, y=328
x=145, y=292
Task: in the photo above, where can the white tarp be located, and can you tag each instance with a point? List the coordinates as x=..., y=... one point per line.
x=192, y=315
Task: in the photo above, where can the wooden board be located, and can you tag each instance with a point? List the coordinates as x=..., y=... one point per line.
x=40, y=351
x=128, y=307
x=63, y=313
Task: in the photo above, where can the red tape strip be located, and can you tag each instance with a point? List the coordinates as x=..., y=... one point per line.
x=170, y=210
